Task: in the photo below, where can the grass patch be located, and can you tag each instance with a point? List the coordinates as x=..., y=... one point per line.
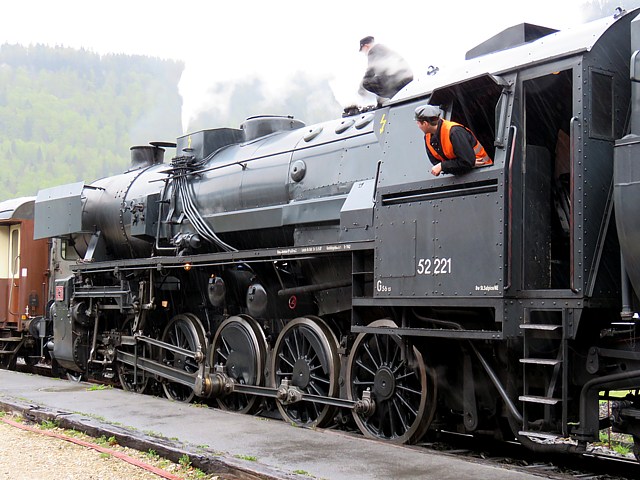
x=98, y=386
x=152, y=454
x=185, y=461
x=49, y=424
x=303, y=472
x=250, y=458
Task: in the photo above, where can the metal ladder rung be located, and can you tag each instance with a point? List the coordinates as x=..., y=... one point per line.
x=539, y=326
x=536, y=399
x=541, y=361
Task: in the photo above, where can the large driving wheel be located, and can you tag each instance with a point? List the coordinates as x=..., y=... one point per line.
x=240, y=346
x=133, y=379
x=306, y=353
x=185, y=331
x=403, y=389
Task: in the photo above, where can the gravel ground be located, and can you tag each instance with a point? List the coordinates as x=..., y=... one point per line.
x=26, y=455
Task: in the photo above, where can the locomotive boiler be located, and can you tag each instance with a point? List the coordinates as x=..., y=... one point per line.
x=324, y=271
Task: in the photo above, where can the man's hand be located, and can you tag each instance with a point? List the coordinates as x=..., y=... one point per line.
x=437, y=168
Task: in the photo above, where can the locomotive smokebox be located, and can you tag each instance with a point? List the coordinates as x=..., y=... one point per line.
x=145, y=155
x=256, y=127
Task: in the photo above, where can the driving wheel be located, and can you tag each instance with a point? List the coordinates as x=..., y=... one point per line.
x=306, y=354
x=240, y=346
x=185, y=331
x=402, y=387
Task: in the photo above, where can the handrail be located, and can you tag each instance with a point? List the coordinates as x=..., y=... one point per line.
x=572, y=162
x=514, y=129
x=375, y=181
x=13, y=283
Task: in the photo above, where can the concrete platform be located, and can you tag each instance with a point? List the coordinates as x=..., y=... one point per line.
x=230, y=442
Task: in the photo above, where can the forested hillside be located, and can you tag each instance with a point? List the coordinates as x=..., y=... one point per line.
x=71, y=115
x=68, y=115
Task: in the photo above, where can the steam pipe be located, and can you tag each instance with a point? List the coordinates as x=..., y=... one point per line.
x=588, y=428
x=313, y=288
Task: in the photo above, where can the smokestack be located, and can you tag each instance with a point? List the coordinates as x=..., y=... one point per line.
x=143, y=156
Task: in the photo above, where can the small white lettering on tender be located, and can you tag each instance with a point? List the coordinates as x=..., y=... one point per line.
x=382, y=288
x=486, y=288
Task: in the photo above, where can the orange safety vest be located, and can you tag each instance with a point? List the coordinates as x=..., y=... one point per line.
x=482, y=159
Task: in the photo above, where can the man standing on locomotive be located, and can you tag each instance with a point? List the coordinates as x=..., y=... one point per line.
x=387, y=72
x=451, y=147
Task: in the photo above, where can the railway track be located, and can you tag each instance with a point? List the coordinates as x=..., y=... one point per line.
x=597, y=464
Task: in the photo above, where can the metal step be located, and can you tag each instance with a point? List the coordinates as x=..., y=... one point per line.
x=541, y=361
x=539, y=326
x=11, y=339
x=536, y=399
x=542, y=435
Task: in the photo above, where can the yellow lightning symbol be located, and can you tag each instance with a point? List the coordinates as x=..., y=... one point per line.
x=383, y=122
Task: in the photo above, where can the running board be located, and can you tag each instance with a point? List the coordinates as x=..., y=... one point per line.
x=535, y=399
x=539, y=435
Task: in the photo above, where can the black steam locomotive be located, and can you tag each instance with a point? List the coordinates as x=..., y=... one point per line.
x=323, y=269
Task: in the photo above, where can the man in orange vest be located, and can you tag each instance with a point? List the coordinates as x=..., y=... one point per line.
x=451, y=147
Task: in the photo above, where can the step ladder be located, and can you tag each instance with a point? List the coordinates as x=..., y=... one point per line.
x=545, y=370
x=10, y=344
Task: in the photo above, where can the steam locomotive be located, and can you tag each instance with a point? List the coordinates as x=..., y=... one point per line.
x=323, y=269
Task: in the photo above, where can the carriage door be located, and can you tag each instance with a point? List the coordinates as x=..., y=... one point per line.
x=14, y=272
x=546, y=206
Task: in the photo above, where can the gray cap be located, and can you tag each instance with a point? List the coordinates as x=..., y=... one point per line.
x=426, y=111
x=366, y=41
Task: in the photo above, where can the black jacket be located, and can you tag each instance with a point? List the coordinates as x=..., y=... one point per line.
x=387, y=72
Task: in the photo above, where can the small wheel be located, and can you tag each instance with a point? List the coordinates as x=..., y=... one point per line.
x=185, y=331
x=133, y=379
x=403, y=389
x=240, y=345
x=306, y=353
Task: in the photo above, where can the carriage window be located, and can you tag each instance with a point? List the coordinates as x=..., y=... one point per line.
x=601, y=105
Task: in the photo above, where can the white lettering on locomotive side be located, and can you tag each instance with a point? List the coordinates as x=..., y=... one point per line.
x=435, y=266
x=380, y=287
x=486, y=288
